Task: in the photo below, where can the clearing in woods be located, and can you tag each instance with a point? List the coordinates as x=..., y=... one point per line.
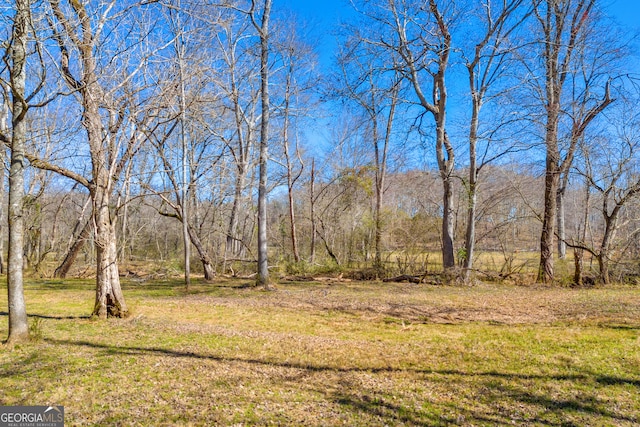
x=330, y=353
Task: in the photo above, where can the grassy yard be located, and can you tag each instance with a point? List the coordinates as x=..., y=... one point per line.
x=330, y=353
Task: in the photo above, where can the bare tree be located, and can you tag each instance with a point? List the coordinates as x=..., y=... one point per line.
x=110, y=117
x=262, y=28
x=486, y=67
x=18, y=324
x=81, y=233
x=612, y=168
x=595, y=70
x=564, y=28
x=238, y=79
x=292, y=176
x=312, y=212
x=419, y=36
x=374, y=89
x=76, y=27
x=172, y=196
x=4, y=135
x=179, y=47
x=292, y=104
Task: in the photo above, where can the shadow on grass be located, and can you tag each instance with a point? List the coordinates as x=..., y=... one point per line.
x=496, y=388
x=619, y=327
x=45, y=316
x=197, y=286
x=389, y=412
x=60, y=285
x=129, y=284
x=394, y=414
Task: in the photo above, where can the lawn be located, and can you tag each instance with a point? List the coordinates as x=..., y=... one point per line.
x=331, y=352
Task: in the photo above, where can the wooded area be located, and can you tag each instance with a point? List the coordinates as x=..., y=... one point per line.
x=471, y=138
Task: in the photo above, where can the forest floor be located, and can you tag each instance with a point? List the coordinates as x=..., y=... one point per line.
x=330, y=353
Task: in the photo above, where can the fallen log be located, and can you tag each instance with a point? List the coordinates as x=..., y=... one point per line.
x=405, y=278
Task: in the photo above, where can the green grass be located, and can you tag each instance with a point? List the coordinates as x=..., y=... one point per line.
x=330, y=353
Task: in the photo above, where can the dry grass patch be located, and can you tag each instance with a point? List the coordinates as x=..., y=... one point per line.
x=332, y=354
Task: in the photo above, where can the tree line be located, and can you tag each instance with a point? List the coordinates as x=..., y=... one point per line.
x=162, y=127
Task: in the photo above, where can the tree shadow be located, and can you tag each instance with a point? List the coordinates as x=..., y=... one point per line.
x=387, y=412
x=46, y=316
x=529, y=405
x=577, y=405
x=177, y=286
x=393, y=414
x=60, y=285
x=497, y=387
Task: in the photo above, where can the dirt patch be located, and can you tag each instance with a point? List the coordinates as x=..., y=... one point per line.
x=483, y=303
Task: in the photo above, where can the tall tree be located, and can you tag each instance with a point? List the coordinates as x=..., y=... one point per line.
x=179, y=47
x=292, y=175
x=262, y=28
x=238, y=80
x=612, y=168
x=182, y=131
x=102, y=81
x=491, y=51
x=419, y=36
x=374, y=89
x=292, y=103
x=564, y=32
x=18, y=324
x=4, y=131
x=76, y=33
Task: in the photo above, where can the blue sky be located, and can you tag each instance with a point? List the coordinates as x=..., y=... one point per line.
x=325, y=14
x=626, y=11
x=328, y=12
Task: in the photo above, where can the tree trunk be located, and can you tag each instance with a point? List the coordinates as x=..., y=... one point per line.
x=562, y=235
x=263, y=263
x=610, y=228
x=185, y=169
x=124, y=222
x=377, y=262
x=291, y=179
x=547, y=239
x=109, y=297
x=63, y=269
x=2, y=197
x=561, y=26
x=18, y=324
x=472, y=197
x=290, y=182
x=292, y=219
x=470, y=237
x=603, y=263
x=4, y=129
x=232, y=246
x=578, y=256
x=312, y=212
x=209, y=272
x=448, y=257
x=552, y=180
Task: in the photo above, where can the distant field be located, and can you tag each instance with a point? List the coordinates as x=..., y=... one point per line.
x=330, y=353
